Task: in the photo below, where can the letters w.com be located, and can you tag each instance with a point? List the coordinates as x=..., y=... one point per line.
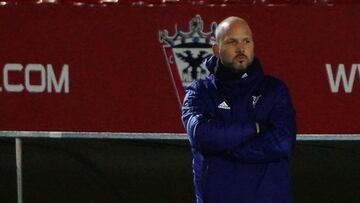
x=339, y=77
x=49, y=81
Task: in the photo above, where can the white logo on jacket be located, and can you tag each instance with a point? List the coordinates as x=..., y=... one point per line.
x=224, y=105
x=255, y=100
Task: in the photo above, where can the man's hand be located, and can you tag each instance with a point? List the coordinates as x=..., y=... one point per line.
x=257, y=128
x=261, y=128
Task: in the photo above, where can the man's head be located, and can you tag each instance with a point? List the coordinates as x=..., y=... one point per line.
x=234, y=43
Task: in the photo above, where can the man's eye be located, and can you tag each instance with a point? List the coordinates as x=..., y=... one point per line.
x=246, y=41
x=231, y=42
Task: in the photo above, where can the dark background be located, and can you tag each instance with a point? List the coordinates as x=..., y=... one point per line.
x=83, y=170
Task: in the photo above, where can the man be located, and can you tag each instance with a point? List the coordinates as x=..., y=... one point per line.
x=241, y=125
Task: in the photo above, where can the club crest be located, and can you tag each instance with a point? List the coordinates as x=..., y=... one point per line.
x=185, y=51
x=255, y=100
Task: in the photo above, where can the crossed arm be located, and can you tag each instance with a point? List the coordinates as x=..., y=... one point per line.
x=239, y=140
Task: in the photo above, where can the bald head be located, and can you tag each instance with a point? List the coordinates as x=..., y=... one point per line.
x=234, y=43
x=231, y=23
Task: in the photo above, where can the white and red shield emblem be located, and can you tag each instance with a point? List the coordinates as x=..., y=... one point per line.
x=185, y=52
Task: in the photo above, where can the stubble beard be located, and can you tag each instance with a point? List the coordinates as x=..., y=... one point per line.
x=236, y=66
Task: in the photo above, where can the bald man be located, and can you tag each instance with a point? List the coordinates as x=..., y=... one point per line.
x=241, y=124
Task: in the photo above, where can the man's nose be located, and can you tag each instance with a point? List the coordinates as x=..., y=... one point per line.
x=240, y=47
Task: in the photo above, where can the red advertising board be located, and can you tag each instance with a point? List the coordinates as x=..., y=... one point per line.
x=108, y=69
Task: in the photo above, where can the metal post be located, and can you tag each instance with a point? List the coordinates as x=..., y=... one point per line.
x=19, y=169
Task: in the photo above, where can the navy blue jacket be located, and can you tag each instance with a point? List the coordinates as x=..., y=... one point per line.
x=232, y=163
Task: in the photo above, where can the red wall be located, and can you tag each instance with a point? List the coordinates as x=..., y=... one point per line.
x=118, y=74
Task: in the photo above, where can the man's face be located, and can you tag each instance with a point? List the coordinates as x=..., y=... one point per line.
x=235, y=47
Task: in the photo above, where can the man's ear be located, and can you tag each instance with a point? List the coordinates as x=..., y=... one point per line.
x=215, y=49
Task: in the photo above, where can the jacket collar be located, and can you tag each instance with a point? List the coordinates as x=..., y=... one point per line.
x=219, y=72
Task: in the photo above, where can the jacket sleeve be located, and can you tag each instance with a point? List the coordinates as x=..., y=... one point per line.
x=278, y=141
x=208, y=134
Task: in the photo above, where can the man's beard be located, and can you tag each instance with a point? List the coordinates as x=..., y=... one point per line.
x=237, y=67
